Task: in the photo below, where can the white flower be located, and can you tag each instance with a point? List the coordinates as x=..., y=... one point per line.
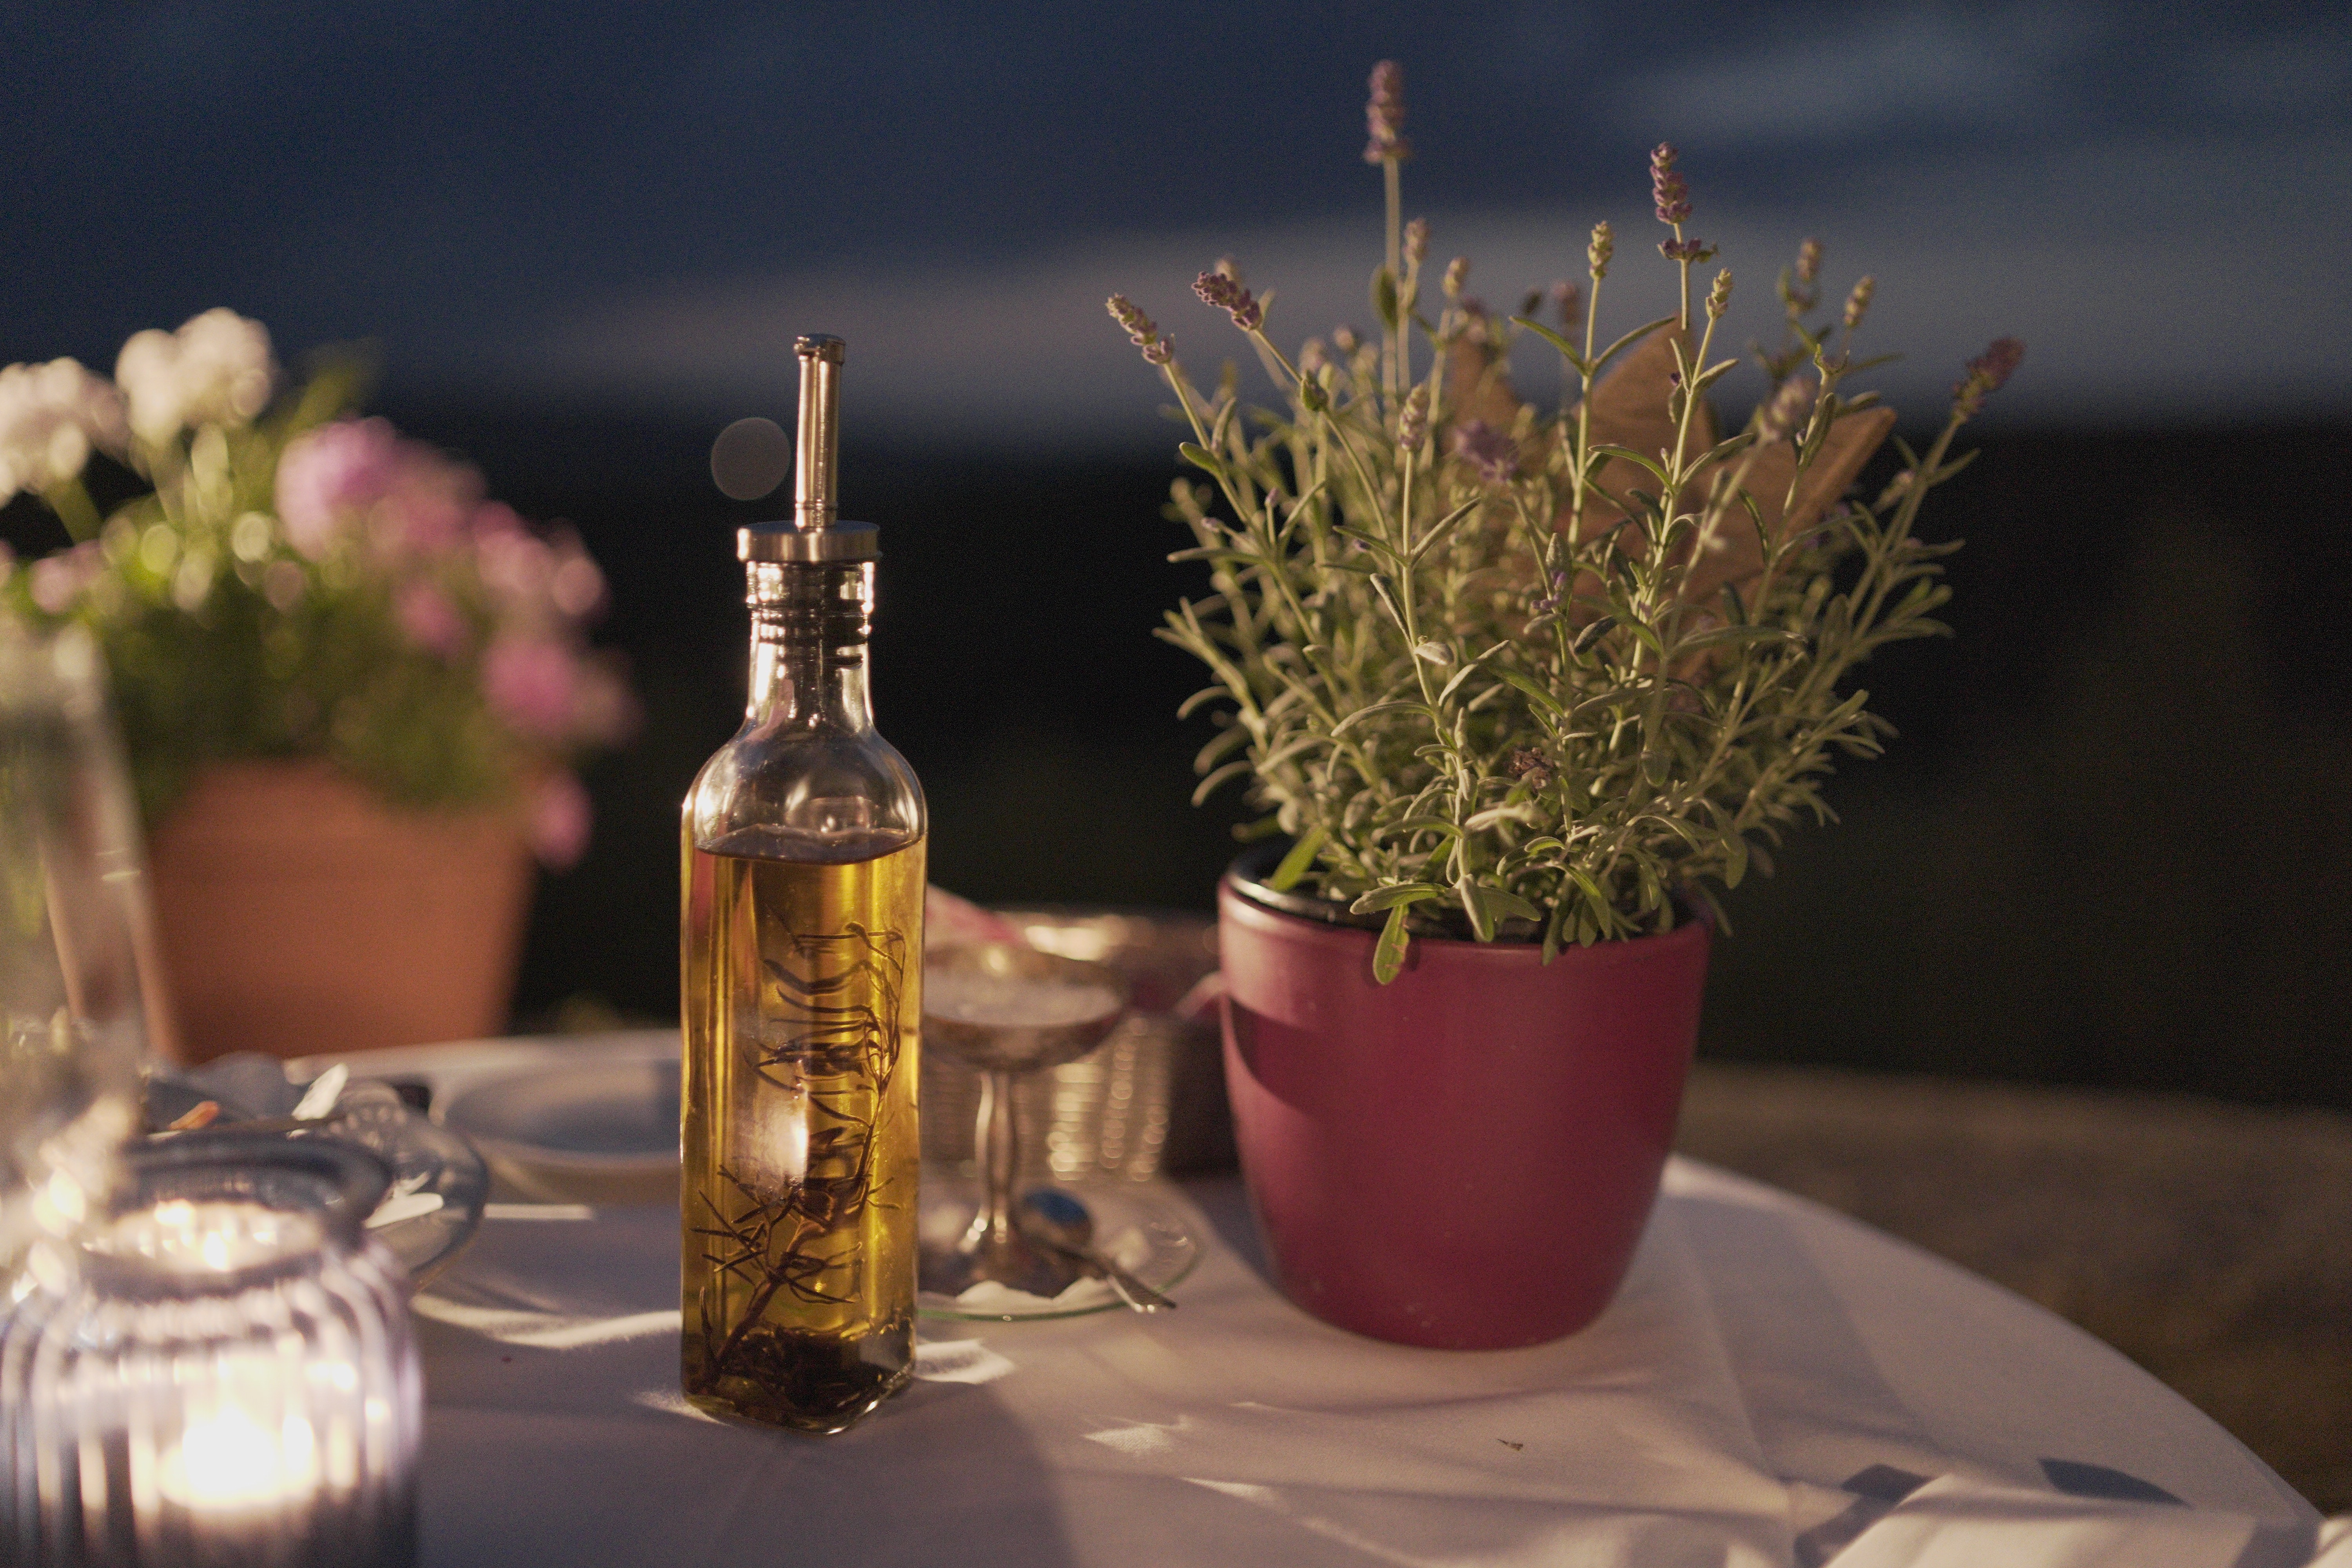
x=215, y=370
x=51, y=417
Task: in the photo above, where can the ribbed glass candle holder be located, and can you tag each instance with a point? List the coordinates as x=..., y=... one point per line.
x=218, y=1373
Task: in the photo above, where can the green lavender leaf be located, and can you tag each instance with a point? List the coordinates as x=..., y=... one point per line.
x=1294, y=864
x=1649, y=465
x=1406, y=705
x=1566, y=348
x=1388, y=956
x=1629, y=339
x=1391, y=897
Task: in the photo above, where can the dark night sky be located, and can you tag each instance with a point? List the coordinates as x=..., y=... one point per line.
x=583, y=237
x=616, y=206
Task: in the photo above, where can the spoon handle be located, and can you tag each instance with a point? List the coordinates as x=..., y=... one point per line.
x=1139, y=1296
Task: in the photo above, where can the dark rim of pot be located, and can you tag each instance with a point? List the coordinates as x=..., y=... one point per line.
x=1255, y=864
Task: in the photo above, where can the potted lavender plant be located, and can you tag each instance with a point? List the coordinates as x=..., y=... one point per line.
x=351, y=688
x=1515, y=688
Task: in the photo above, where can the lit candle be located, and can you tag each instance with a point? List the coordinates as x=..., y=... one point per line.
x=243, y=1369
x=247, y=1462
x=200, y=1239
x=228, y=1464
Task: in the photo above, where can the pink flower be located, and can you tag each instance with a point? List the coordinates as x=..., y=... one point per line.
x=516, y=566
x=530, y=683
x=429, y=619
x=416, y=500
x=57, y=581
x=576, y=588
x=495, y=517
x=560, y=818
x=329, y=474
x=429, y=504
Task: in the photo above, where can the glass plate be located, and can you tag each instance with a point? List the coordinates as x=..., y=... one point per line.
x=428, y=1161
x=1138, y=1228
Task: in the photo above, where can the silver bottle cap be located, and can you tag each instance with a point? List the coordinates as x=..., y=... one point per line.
x=813, y=532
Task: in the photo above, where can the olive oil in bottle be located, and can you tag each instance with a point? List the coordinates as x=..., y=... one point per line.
x=801, y=948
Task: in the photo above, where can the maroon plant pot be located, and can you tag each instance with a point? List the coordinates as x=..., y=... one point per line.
x=1464, y=1158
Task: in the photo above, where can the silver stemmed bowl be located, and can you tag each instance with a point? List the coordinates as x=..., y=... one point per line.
x=1007, y=1010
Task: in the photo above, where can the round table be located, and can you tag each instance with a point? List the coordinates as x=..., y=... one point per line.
x=1775, y=1385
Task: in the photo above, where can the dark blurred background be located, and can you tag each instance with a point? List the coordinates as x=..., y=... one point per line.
x=2112, y=845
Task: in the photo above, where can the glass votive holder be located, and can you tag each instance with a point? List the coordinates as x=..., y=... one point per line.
x=220, y=1372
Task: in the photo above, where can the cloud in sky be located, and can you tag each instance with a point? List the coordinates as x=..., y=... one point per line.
x=629, y=205
x=1913, y=69
x=2147, y=284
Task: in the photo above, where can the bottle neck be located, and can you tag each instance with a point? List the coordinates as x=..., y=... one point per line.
x=809, y=629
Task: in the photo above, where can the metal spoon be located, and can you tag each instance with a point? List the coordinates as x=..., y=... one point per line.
x=1060, y=1223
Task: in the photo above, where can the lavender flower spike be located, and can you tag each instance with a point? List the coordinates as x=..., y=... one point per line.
x=1385, y=116
x=1998, y=363
x=1127, y=314
x=1857, y=304
x=1224, y=293
x=1808, y=261
x=1457, y=274
x=1413, y=420
x=1416, y=242
x=1986, y=373
x=1140, y=331
x=1689, y=251
x=1667, y=187
x=1718, y=298
x=1604, y=246
x=1490, y=451
x=1781, y=417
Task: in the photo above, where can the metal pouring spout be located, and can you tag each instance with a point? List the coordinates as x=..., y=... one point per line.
x=817, y=465
x=815, y=532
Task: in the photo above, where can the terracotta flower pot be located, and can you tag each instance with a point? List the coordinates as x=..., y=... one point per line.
x=297, y=912
x=1464, y=1158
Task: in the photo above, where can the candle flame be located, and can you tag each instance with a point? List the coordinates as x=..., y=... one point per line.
x=230, y=1462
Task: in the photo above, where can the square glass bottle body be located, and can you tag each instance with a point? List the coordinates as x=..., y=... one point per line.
x=802, y=952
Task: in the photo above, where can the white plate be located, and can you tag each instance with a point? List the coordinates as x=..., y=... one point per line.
x=602, y=1130
x=589, y=1119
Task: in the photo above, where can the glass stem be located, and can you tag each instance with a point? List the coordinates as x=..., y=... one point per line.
x=998, y=1161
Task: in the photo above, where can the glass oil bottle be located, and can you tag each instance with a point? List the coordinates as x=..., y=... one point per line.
x=802, y=946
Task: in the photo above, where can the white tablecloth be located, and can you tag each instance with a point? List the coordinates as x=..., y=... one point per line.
x=1775, y=1385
